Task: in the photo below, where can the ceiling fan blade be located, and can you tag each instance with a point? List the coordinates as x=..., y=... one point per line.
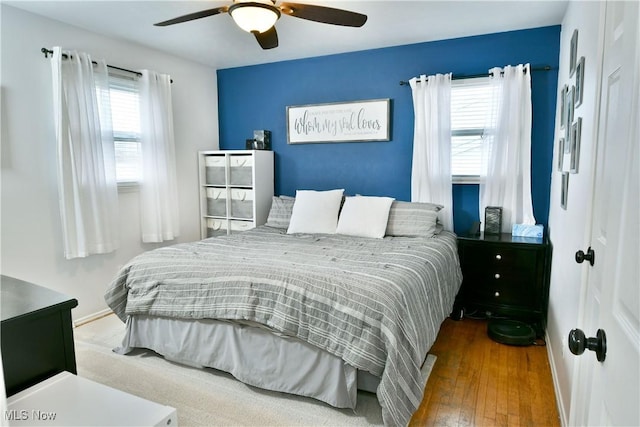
x=192, y=16
x=326, y=15
x=268, y=39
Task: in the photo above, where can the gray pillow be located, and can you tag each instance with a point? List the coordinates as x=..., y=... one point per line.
x=280, y=213
x=413, y=219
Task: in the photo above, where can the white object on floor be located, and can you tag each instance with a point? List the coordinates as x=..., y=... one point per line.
x=68, y=400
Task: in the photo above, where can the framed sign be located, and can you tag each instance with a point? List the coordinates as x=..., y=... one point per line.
x=357, y=121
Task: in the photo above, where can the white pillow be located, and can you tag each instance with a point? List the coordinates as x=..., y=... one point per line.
x=315, y=211
x=364, y=216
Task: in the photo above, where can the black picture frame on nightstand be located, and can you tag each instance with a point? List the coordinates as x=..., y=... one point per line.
x=506, y=277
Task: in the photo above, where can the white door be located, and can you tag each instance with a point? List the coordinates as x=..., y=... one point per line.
x=607, y=393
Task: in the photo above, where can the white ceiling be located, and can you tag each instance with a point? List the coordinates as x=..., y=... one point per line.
x=216, y=41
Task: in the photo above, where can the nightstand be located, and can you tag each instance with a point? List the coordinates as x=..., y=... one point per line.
x=37, y=334
x=506, y=277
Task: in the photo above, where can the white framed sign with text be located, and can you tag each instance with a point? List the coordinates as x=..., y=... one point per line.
x=356, y=121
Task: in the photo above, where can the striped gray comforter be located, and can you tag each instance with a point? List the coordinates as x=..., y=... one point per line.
x=376, y=303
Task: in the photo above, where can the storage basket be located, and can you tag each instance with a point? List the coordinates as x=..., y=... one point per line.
x=241, y=203
x=239, y=226
x=241, y=170
x=216, y=227
x=216, y=202
x=215, y=170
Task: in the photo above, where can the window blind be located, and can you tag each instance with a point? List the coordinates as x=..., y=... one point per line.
x=125, y=116
x=470, y=103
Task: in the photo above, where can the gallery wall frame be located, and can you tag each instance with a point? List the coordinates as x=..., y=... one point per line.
x=579, y=82
x=573, y=53
x=560, y=159
x=563, y=105
x=564, y=190
x=570, y=107
x=354, y=121
x=576, y=136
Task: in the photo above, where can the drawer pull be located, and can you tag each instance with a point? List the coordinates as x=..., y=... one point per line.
x=498, y=256
x=497, y=294
x=497, y=275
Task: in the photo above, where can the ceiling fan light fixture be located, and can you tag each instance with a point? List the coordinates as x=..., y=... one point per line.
x=254, y=17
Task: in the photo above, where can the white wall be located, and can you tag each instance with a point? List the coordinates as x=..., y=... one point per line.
x=31, y=240
x=569, y=229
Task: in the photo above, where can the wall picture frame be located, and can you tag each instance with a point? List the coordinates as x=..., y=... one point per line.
x=573, y=53
x=570, y=101
x=564, y=190
x=579, y=81
x=576, y=136
x=354, y=121
x=563, y=106
x=560, y=158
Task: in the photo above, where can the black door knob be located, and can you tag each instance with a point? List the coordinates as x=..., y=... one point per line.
x=578, y=343
x=589, y=256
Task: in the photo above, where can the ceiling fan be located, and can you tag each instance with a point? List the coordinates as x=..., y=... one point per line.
x=259, y=16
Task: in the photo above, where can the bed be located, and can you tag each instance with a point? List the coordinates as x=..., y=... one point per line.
x=314, y=314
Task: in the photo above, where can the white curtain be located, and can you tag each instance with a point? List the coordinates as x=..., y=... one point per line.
x=87, y=187
x=431, y=167
x=505, y=180
x=158, y=189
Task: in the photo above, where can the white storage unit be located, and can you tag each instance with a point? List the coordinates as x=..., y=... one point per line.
x=69, y=400
x=236, y=188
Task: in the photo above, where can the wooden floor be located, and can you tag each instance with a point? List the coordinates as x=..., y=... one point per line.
x=478, y=382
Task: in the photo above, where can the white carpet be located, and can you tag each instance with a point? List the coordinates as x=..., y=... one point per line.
x=206, y=397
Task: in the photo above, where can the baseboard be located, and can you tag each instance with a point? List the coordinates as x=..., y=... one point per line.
x=90, y=318
x=561, y=409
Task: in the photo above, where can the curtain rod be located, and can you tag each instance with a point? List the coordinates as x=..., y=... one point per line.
x=474, y=76
x=48, y=52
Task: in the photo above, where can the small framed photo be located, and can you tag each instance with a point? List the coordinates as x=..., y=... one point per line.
x=563, y=106
x=576, y=135
x=564, y=190
x=573, y=56
x=579, y=81
x=560, y=159
x=569, y=117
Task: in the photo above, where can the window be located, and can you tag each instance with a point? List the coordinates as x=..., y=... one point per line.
x=470, y=103
x=125, y=117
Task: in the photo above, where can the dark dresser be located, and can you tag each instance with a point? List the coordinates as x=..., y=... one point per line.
x=36, y=333
x=505, y=277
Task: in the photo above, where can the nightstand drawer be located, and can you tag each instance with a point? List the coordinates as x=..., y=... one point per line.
x=501, y=292
x=479, y=257
x=489, y=274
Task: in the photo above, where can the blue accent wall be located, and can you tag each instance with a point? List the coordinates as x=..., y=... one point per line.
x=256, y=97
